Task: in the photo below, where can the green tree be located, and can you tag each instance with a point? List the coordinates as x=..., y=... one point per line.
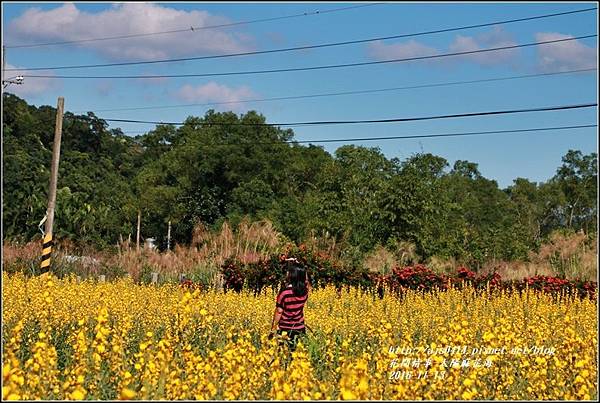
x=577, y=179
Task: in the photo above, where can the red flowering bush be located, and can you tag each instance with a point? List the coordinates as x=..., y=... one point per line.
x=464, y=273
x=233, y=276
x=585, y=288
x=491, y=280
x=421, y=278
x=271, y=272
x=416, y=277
x=547, y=283
x=558, y=285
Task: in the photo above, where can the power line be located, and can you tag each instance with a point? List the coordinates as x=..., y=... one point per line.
x=420, y=136
x=536, y=129
x=301, y=47
x=392, y=120
x=416, y=136
x=331, y=94
x=333, y=66
x=191, y=29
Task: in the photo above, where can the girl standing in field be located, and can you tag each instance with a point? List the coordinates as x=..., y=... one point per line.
x=289, y=306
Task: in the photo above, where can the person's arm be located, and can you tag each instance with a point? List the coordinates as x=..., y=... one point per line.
x=276, y=317
x=308, y=285
x=278, y=311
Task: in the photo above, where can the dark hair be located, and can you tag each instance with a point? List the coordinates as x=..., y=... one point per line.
x=297, y=276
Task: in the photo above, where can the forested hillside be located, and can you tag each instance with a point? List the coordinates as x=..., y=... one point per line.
x=222, y=167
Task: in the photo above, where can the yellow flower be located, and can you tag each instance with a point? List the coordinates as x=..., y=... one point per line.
x=78, y=394
x=127, y=394
x=231, y=357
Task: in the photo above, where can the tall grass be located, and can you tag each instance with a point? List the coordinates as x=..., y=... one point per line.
x=248, y=243
x=200, y=261
x=327, y=245
x=380, y=260
x=568, y=255
x=17, y=257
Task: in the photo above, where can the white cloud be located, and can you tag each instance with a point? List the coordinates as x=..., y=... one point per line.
x=68, y=23
x=31, y=86
x=496, y=38
x=214, y=92
x=491, y=39
x=412, y=48
x=562, y=56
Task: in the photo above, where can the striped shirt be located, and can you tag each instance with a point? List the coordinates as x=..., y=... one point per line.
x=293, y=309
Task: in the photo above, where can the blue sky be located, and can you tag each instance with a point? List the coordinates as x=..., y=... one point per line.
x=535, y=156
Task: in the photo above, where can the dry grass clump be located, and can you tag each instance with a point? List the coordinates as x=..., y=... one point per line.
x=327, y=245
x=441, y=265
x=406, y=252
x=380, y=260
x=516, y=270
x=564, y=255
x=15, y=252
x=401, y=253
x=250, y=242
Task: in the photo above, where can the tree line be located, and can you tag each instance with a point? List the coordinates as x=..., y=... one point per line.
x=224, y=167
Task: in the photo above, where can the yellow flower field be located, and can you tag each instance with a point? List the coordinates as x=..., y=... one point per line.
x=69, y=340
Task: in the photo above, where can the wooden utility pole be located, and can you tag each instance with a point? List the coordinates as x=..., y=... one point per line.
x=137, y=242
x=48, y=241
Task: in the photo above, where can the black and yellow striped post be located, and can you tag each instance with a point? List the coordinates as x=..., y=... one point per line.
x=46, y=253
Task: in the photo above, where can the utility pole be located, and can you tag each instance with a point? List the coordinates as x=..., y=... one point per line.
x=137, y=242
x=169, y=236
x=12, y=80
x=48, y=241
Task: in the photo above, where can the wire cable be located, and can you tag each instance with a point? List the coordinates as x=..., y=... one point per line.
x=191, y=29
x=416, y=136
x=332, y=66
x=331, y=94
x=421, y=136
x=392, y=120
x=325, y=45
